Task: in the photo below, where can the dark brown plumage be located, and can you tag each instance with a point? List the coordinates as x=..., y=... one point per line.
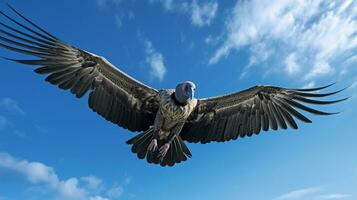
x=165, y=118
x=248, y=112
x=114, y=95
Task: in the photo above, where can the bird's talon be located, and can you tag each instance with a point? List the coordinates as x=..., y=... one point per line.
x=163, y=150
x=153, y=145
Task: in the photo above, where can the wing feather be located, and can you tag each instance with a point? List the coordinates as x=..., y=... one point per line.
x=248, y=112
x=114, y=95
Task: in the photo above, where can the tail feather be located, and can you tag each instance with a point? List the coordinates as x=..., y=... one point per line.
x=141, y=142
x=184, y=147
x=143, y=146
x=152, y=158
x=178, y=151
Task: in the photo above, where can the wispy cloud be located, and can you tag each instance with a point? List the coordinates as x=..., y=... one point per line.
x=40, y=129
x=98, y=198
x=311, y=193
x=19, y=133
x=354, y=85
x=38, y=173
x=119, y=14
x=334, y=196
x=3, y=122
x=117, y=190
x=84, y=188
x=312, y=37
x=291, y=64
x=156, y=61
x=201, y=14
x=298, y=194
x=169, y=5
x=212, y=40
x=107, y=3
x=310, y=84
x=92, y=183
x=11, y=105
x=118, y=20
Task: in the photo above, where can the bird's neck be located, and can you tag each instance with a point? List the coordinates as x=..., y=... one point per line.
x=176, y=101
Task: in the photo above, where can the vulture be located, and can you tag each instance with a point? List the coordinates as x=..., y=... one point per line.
x=166, y=118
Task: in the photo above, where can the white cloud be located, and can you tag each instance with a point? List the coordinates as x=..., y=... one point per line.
x=41, y=174
x=310, y=36
x=353, y=86
x=311, y=193
x=11, y=105
x=310, y=84
x=70, y=189
x=298, y=194
x=156, y=61
x=351, y=60
x=211, y=40
x=203, y=14
x=320, y=68
x=34, y=172
x=261, y=52
x=334, y=196
x=291, y=66
x=348, y=64
x=115, y=191
x=93, y=182
x=98, y=198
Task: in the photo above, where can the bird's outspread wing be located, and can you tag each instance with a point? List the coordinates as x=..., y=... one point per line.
x=114, y=95
x=248, y=112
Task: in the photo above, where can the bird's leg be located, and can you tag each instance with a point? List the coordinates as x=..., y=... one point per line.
x=174, y=133
x=153, y=145
x=163, y=150
x=157, y=126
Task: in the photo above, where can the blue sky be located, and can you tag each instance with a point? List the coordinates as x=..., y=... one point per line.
x=53, y=147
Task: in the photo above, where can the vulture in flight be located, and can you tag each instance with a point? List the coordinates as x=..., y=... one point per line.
x=164, y=118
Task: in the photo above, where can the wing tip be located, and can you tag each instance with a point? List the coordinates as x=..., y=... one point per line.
x=316, y=89
x=5, y=58
x=9, y=59
x=9, y=5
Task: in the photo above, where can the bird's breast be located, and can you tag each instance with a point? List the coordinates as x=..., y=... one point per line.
x=170, y=110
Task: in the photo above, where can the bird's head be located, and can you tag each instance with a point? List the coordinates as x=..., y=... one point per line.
x=185, y=92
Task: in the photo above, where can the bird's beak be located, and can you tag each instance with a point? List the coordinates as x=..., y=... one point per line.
x=191, y=93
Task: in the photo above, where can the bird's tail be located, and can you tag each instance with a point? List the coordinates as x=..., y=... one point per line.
x=177, y=152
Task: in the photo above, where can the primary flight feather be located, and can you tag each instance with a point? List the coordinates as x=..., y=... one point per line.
x=165, y=118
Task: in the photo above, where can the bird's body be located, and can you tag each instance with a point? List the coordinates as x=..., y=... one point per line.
x=171, y=114
x=169, y=121
x=163, y=118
